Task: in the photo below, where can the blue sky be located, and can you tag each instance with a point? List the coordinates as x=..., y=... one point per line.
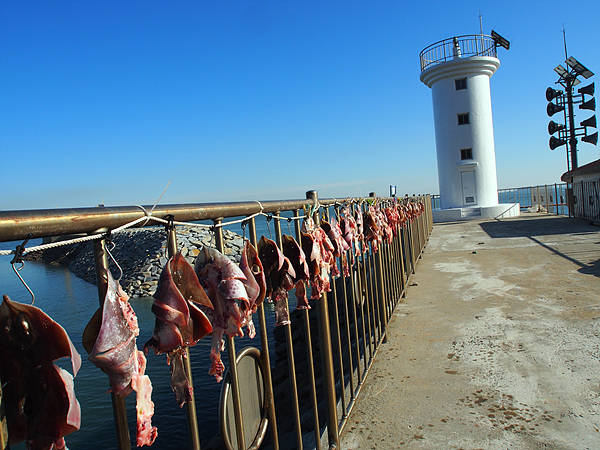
x=260, y=100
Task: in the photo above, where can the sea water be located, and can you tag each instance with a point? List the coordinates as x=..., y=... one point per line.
x=71, y=302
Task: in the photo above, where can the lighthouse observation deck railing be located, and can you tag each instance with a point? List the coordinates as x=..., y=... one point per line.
x=457, y=47
x=328, y=348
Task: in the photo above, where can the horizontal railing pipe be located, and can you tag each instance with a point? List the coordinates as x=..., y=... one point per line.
x=18, y=225
x=351, y=320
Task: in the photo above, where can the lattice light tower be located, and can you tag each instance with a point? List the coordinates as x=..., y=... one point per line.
x=458, y=71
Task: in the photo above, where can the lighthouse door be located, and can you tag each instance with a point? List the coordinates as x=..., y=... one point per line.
x=468, y=188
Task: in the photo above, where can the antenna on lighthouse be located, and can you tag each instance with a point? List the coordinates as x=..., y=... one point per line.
x=480, y=23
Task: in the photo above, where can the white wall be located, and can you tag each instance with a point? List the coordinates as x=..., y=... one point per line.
x=478, y=134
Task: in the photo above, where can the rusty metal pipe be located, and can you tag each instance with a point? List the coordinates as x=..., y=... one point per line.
x=391, y=277
x=371, y=311
x=396, y=255
x=411, y=246
x=353, y=286
x=265, y=358
x=387, y=280
x=336, y=332
x=405, y=260
x=381, y=292
x=376, y=296
x=192, y=416
x=309, y=354
x=395, y=274
x=290, y=352
x=118, y=403
x=365, y=303
x=327, y=356
x=17, y=225
x=347, y=319
x=363, y=314
x=231, y=353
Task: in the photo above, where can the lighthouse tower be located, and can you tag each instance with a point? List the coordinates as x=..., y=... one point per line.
x=458, y=71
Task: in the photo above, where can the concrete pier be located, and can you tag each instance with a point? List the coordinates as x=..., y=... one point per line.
x=496, y=346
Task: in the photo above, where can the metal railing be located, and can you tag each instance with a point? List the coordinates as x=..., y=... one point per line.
x=548, y=198
x=457, y=47
x=339, y=336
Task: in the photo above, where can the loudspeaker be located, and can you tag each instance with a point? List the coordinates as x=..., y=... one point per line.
x=556, y=142
x=591, y=139
x=552, y=109
x=589, y=89
x=590, y=104
x=591, y=122
x=553, y=127
x=551, y=94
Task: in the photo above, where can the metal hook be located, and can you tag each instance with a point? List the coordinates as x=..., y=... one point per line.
x=244, y=225
x=213, y=237
x=269, y=218
x=19, y=259
x=112, y=246
x=169, y=231
x=289, y=221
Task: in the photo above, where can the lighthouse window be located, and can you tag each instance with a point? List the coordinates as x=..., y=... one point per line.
x=460, y=84
x=466, y=153
x=463, y=119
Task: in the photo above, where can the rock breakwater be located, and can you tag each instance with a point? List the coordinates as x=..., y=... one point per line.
x=141, y=253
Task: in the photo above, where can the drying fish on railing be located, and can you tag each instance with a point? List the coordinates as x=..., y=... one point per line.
x=334, y=271
x=226, y=285
x=350, y=232
x=392, y=215
x=373, y=233
x=279, y=275
x=179, y=305
x=340, y=246
x=403, y=217
x=413, y=210
x=38, y=396
x=360, y=227
x=319, y=250
x=110, y=340
x=387, y=233
x=255, y=284
x=293, y=252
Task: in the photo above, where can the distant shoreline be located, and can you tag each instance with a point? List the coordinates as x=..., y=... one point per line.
x=141, y=254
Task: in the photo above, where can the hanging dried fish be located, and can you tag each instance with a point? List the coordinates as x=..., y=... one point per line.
x=295, y=254
x=38, y=396
x=279, y=274
x=110, y=340
x=179, y=304
x=225, y=284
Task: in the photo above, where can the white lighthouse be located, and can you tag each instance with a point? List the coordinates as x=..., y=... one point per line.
x=458, y=71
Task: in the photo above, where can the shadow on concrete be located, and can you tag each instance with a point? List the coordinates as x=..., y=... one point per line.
x=591, y=269
x=546, y=226
x=537, y=226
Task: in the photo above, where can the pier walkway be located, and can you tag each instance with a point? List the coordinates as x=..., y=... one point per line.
x=497, y=345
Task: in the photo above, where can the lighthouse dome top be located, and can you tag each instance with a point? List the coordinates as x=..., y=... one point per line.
x=458, y=47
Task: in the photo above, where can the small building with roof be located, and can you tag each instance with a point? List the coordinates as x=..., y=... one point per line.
x=583, y=195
